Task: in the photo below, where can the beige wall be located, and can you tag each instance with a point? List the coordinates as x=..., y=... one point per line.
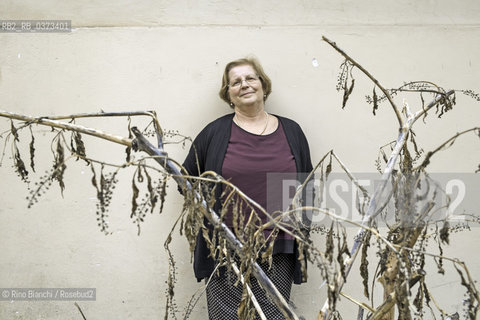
x=168, y=56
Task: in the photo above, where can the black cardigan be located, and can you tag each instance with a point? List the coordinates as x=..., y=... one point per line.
x=210, y=147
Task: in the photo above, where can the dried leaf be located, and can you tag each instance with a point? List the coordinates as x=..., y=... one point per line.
x=440, y=259
x=72, y=145
x=328, y=170
x=14, y=132
x=342, y=249
x=384, y=156
x=94, y=178
x=347, y=92
x=163, y=193
x=329, y=245
x=364, y=263
x=375, y=102
x=427, y=293
x=151, y=192
x=128, y=150
x=139, y=173
x=59, y=165
x=135, y=193
x=208, y=240
x=267, y=255
x=80, y=149
x=19, y=165
x=242, y=308
x=444, y=233
x=32, y=151
x=445, y=105
x=418, y=301
x=345, y=71
x=423, y=108
x=343, y=75
x=302, y=257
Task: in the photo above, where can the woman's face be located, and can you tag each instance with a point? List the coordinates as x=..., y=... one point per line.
x=245, y=88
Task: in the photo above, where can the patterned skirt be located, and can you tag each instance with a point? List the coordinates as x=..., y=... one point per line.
x=223, y=298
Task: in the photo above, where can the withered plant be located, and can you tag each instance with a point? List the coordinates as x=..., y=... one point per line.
x=405, y=200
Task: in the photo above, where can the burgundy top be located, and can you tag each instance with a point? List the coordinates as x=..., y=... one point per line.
x=253, y=163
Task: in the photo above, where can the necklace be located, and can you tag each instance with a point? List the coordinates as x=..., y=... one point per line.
x=237, y=120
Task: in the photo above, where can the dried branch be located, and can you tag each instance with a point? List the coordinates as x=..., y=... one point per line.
x=67, y=126
x=80, y=310
x=385, y=91
x=379, y=195
x=101, y=114
x=447, y=143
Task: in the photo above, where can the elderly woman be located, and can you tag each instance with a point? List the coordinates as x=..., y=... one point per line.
x=243, y=147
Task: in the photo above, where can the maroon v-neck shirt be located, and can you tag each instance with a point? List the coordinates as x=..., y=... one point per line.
x=251, y=162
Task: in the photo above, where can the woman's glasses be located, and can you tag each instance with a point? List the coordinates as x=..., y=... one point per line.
x=252, y=79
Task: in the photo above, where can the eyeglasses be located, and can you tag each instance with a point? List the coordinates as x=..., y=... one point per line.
x=251, y=79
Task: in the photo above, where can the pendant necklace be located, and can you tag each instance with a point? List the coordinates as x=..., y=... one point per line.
x=266, y=122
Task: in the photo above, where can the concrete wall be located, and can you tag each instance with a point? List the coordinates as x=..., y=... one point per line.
x=168, y=56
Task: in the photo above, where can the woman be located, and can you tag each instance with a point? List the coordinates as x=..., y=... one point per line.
x=243, y=147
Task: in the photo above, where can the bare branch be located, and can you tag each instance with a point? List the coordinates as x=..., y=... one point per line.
x=450, y=141
x=68, y=126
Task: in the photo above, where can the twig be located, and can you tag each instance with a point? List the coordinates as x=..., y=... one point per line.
x=310, y=175
x=81, y=312
x=350, y=175
x=193, y=302
x=360, y=304
x=426, y=161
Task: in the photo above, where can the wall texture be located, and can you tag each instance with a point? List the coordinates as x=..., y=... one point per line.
x=168, y=56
